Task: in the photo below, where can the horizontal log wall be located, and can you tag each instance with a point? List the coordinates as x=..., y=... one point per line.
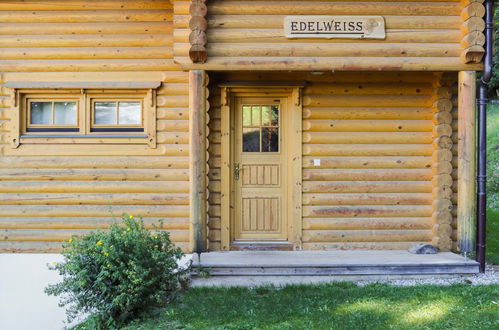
x=420, y=35
x=49, y=192
x=374, y=136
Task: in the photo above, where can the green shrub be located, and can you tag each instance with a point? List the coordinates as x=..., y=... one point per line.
x=117, y=274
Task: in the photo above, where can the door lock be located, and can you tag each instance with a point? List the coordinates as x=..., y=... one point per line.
x=236, y=171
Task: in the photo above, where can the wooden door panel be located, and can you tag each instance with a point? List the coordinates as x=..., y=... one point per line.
x=260, y=175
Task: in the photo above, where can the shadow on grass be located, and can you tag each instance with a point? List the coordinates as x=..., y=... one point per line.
x=333, y=306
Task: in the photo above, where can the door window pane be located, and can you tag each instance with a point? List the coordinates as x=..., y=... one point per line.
x=41, y=113
x=105, y=113
x=129, y=113
x=270, y=139
x=274, y=115
x=65, y=113
x=246, y=116
x=251, y=139
x=256, y=116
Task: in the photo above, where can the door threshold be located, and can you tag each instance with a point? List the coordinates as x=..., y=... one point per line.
x=261, y=246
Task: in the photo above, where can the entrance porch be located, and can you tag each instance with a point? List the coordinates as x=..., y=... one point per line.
x=286, y=267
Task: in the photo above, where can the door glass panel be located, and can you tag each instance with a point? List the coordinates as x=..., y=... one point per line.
x=270, y=115
x=105, y=113
x=256, y=116
x=251, y=139
x=41, y=113
x=65, y=113
x=274, y=116
x=270, y=139
x=246, y=116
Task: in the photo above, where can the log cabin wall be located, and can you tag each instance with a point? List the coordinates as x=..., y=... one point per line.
x=47, y=191
x=383, y=140
x=420, y=35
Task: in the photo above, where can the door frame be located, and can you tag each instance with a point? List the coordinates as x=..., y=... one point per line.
x=293, y=93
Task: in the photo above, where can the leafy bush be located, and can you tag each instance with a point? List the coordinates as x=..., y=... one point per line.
x=117, y=274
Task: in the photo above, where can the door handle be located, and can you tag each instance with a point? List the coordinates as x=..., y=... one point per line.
x=236, y=171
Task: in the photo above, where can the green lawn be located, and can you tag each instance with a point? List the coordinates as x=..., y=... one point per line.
x=332, y=306
x=493, y=184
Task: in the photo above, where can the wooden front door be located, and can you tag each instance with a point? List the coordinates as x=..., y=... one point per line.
x=259, y=170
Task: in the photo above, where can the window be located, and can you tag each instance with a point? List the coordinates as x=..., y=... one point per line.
x=260, y=128
x=87, y=116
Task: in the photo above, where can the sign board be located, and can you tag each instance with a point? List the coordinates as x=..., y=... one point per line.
x=353, y=27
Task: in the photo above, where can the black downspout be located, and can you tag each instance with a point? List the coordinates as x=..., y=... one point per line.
x=482, y=137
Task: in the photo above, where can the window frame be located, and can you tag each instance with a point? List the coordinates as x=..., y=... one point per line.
x=84, y=98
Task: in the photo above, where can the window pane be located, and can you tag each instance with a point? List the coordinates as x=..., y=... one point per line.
x=41, y=113
x=274, y=117
x=246, y=116
x=256, y=116
x=65, y=113
x=105, y=113
x=130, y=113
x=251, y=140
x=266, y=115
x=270, y=139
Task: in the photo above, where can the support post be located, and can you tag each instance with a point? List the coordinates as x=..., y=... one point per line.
x=466, y=161
x=197, y=160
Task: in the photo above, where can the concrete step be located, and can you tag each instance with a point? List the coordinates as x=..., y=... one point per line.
x=332, y=263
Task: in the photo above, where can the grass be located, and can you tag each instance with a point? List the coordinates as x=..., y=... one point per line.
x=330, y=306
x=493, y=183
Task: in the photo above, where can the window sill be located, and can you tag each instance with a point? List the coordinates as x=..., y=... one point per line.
x=84, y=139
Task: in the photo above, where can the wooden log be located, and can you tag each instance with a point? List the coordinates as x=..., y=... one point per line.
x=371, y=162
x=472, y=24
x=304, y=49
x=443, y=117
x=107, y=40
x=473, y=54
x=366, y=235
x=474, y=9
x=55, y=28
x=366, y=223
x=93, y=199
x=66, y=53
x=94, y=174
x=367, y=150
x=221, y=35
x=59, y=235
x=47, y=247
x=94, y=187
x=323, y=125
x=366, y=88
x=321, y=100
x=442, y=192
x=198, y=160
x=101, y=162
x=368, y=186
x=172, y=211
x=84, y=16
x=367, y=174
x=367, y=113
x=84, y=65
x=367, y=137
x=328, y=63
x=86, y=223
x=367, y=199
x=218, y=7
x=474, y=38
x=86, y=5
x=369, y=210
x=466, y=160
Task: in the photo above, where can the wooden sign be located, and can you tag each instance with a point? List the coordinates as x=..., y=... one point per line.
x=354, y=27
